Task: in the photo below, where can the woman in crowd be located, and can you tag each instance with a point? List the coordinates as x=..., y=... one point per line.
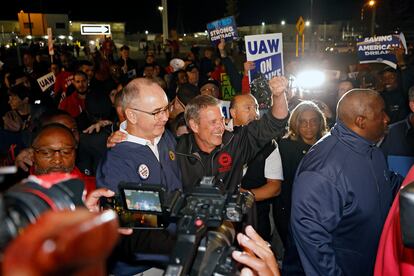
x=306, y=125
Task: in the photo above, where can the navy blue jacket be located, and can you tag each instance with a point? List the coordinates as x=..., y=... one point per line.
x=123, y=162
x=341, y=196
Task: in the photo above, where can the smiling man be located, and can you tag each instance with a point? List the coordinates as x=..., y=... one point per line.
x=145, y=157
x=147, y=154
x=210, y=150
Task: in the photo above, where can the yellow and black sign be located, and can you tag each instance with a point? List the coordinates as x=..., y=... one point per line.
x=300, y=25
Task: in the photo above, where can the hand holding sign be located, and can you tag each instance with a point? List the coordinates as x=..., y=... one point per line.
x=399, y=54
x=248, y=65
x=278, y=85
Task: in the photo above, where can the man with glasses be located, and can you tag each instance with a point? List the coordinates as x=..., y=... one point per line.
x=147, y=155
x=211, y=87
x=54, y=150
x=210, y=150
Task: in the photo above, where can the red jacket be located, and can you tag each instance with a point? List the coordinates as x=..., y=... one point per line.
x=73, y=105
x=393, y=258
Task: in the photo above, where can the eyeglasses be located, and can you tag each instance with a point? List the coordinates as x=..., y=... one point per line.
x=158, y=114
x=309, y=123
x=47, y=153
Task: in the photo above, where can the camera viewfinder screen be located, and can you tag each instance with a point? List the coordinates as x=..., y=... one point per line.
x=140, y=200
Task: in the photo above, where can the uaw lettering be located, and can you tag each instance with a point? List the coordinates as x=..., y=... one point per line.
x=377, y=49
x=224, y=28
x=266, y=51
x=263, y=46
x=46, y=81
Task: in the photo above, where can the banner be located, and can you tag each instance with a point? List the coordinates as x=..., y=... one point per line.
x=46, y=81
x=266, y=51
x=224, y=28
x=377, y=49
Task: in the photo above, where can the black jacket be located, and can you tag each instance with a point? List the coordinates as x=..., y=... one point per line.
x=227, y=160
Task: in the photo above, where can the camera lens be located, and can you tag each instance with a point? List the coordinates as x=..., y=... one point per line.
x=24, y=203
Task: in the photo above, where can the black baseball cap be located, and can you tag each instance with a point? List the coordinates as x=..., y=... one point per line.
x=190, y=67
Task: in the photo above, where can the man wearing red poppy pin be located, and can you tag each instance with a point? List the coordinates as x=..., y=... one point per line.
x=210, y=150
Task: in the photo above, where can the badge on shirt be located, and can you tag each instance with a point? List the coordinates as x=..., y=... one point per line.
x=143, y=171
x=172, y=155
x=225, y=161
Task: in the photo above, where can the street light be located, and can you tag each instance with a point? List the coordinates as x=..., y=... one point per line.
x=307, y=23
x=283, y=22
x=372, y=5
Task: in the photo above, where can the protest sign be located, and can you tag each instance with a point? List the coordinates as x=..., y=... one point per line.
x=266, y=51
x=224, y=28
x=378, y=49
x=46, y=81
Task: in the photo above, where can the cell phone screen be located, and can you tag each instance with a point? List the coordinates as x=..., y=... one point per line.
x=142, y=200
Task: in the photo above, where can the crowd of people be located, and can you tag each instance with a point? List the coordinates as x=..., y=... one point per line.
x=324, y=169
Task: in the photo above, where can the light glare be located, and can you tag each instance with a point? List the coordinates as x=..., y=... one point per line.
x=310, y=79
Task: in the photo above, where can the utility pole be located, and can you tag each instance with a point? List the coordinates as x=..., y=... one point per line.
x=164, y=21
x=373, y=20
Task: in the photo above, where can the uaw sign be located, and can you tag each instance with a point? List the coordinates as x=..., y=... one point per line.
x=46, y=81
x=378, y=49
x=224, y=28
x=266, y=51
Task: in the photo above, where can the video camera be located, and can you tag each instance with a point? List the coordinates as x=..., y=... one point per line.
x=204, y=217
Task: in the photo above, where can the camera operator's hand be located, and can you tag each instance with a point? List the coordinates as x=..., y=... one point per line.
x=92, y=203
x=278, y=85
x=24, y=159
x=257, y=256
x=116, y=138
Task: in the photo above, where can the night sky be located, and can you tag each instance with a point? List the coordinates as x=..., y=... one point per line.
x=187, y=15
